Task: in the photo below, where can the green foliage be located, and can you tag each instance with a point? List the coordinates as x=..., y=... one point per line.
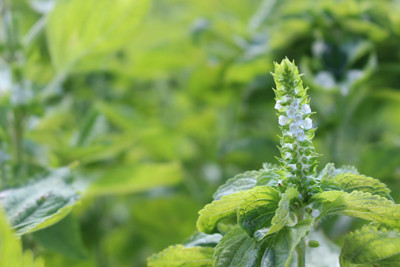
x=183, y=256
x=159, y=103
x=274, y=219
x=11, y=253
x=371, y=246
x=361, y=205
x=77, y=30
x=42, y=203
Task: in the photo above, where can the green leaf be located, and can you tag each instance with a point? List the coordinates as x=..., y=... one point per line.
x=281, y=253
x=182, y=256
x=217, y=210
x=257, y=209
x=136, y=178
x=326, y=254
x=283, y=216
x=11, y=253
x=203, y=240
x=360, y=205
x=371, y=246
x=240, y=182
x=270, y=175
x=348, y=179
x=236, y=248
x=63, y=237
x=226, y=207
x=78, y=29
x=349, y=182
x=42, y=203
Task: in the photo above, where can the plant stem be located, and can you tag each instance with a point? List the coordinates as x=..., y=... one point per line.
x=301, y=253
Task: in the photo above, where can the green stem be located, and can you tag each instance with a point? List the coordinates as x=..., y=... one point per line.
x=301, y=253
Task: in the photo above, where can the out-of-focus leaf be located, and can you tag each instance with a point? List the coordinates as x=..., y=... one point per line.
x=371, y=246
x=63, y=237
x=360, y=205
x=42, y=203
x=257, y=209
x=11, y=248
x=326, y=254
x=136, y=178
x=78, y=29
x=182, y=256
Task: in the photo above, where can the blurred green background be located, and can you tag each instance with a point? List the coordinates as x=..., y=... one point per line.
x=158, y=103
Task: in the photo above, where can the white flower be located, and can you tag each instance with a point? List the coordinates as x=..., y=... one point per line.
x=283, y=99
x=307, y=124
x=294, y=128
x=306, y=109
x=291, y=113
x=278, y=105
x=282, y=120
x=298, y=119
x=288, y=155
x=315, y=213
x=300, y=135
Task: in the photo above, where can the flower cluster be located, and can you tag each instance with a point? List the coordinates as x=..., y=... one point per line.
x=298, y=154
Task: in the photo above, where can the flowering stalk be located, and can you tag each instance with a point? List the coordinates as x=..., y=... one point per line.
x=298, y=154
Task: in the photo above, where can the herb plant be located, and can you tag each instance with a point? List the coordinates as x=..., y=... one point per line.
x=265, y=217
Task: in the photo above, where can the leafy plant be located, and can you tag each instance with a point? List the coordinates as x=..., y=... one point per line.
x=264, y=218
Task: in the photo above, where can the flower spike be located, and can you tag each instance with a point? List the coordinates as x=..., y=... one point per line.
x=297, y=151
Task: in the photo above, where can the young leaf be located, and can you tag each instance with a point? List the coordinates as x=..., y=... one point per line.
x=217, y=210
x=226, y=207
x=42, y=203
x=371, y=246
x=283, y=215
x=236, y=248
x=360, y=205
x=257, y=209
x=182, y=256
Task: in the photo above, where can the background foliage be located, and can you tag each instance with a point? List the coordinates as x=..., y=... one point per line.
x=153, y=105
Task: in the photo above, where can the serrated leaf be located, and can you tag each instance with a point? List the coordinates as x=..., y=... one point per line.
x=11, y=253
x=284, y=245
x=371, y=246
x=182, y=256
x=236, y=248
x=78, y=29
x=350, y=182
x=217, y=210
x=330, y=171
x=270, y=176
x=283, y=215
x=203, y=240
x=240, y=182
x=360, y=205
x=42, y=203
x=63, y=237
x=226, y=207
x=257, y=209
